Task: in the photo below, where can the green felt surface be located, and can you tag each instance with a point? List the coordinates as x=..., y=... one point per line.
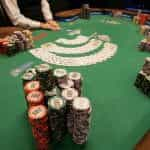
x=121, y=113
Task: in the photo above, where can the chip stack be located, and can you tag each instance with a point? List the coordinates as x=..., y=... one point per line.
x=57, y=120
x=60, y=76
x=45, y=76
x=32, y=86
x=145, y=44
x=22, y=38
x=31, y=70
x=69, y=95
x=35, y=98
x=145, y=29
x=28, y=76
x=85, y=11
x=143, y=78
x=29, y=39
x=68, y=84
x=3, y=45
x=146, y=66
x=16, y=42
x=38, y=118
x=51, y=93
x=82, y=116
x=77, y=79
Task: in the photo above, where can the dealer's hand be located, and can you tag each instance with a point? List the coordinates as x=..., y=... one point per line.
x=48, y=26
x=54, y=24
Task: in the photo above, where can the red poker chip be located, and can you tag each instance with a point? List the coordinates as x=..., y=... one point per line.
x=43, y=141
x=38, y=122
x=35, y=98
x=42, y=126
x=38, y=114
x=42, y=147
x=32, y=86
x=40, y=135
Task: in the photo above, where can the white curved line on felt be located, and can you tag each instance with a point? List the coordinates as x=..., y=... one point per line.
x=90, y=46
x=105, y=53
x=76, y=41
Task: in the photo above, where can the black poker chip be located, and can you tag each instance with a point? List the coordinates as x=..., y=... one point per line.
x=81, y=113
x=57, y=119
x=45, y=76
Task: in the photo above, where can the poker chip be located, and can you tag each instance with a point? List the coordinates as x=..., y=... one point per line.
x=69, y=95
x=45, y=76
x=38, y=117
x=81, y=104
x=146, y=66
x=32, y=86
x=16, y=42
x=60, y=76
x=76, y=77
x=57, y=119
x=66, y=85
x=82, y=116
x=51, y=93
x=37, y=112
x=31, y=70
x=35, y=98
x=27, y=76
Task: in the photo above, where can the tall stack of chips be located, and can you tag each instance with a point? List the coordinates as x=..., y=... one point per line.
x=38, y=118
x=45, y=76
x=77, y=79
x=143, y=78
x=57, y=120
x=82, y=115
x=60, y=76
x=85, y=11
x=145, y=29
x=59, y=92
x=18, y=41
x=51, y=93
x=29, y=38
x=28, y=76
x=145, y=44
x=69, y=95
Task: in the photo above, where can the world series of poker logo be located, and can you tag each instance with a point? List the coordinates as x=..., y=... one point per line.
x=80, y=51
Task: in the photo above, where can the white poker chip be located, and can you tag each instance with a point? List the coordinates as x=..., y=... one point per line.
x=74, y=75
x=66, y=85
x=81, y=103
x=31, y=70
x=56, y=103
x=60, y=73
x=147, y=59
x=43, y=67
x=28, y=76
x=69, y=94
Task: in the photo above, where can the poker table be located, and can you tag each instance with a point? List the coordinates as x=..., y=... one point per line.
x=120, y=112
